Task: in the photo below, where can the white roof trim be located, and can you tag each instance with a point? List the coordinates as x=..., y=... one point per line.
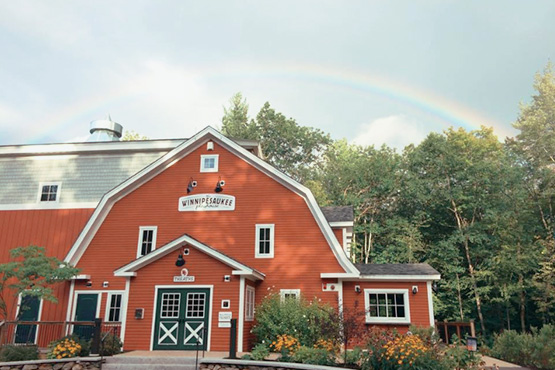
x=50, y=149
x=179, y=152
x=131, y=268
x=383, y=277
x=47, y=205
x=342, y=224
x=334, y=275
x=81, y=277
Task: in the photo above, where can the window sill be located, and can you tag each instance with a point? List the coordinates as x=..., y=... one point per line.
x=388, y=322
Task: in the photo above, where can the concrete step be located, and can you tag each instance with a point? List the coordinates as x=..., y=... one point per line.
x=144, y=363
x=147, y=367
x=164, y=360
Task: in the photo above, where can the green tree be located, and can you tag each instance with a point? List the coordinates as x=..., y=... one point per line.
x=235, y=122
x=132, y=136
x=294, y=149
x=459, y=175
x=536, y=146
x=31, y=273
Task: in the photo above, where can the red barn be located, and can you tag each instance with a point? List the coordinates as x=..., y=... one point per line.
x=176, y=237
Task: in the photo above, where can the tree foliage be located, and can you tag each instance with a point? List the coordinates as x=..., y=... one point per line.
x=294, y=149
x=31, y=273
x=480, y=211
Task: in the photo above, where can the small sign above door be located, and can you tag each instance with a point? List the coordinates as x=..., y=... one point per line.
x=206, y=202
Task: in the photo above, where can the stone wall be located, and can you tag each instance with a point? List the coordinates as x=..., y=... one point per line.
x=86, y=363
x=220, y=364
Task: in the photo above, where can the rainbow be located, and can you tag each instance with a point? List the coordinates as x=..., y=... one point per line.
x=440, y=109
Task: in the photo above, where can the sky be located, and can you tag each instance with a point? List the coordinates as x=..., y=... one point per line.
x=372, y=72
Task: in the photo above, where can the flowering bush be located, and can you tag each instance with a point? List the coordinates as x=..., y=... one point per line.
x=64, y=348
x=327, y=344
x=404, y=350
x=285, y=344
x=391, y=351
x=307, y=321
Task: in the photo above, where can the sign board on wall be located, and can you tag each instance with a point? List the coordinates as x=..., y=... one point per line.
x=224, y=319
x=184, y=277
x=207, y=202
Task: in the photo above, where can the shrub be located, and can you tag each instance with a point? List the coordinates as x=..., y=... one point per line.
x=68, y=346
x=314, y=356
x=513, y=347
x=536, y=349
x=543, y=347
x=11, y=352
x=259, y=352
x=353, y=357
x=306, y=321
x=110, y=344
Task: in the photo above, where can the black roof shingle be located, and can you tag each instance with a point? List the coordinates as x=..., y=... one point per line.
x=338, y=213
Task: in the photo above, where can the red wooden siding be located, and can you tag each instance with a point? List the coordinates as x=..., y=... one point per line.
x=301, y=251
x=55, y=230
x=419, y=316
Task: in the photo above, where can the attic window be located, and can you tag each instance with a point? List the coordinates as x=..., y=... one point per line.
x=209, y=163
x=49, y=192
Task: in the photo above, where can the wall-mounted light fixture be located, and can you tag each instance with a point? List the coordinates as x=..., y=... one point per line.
x=219, y=186
x=357, y=288
x=414, y=289
x=180, y=261
x=192, y=184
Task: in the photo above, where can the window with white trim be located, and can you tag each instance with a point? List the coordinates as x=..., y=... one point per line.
x=49, y=192
x=286, y=294
x=147, y=240
x=209, y=163
x=249, y=303
x=113, y=311
x=264, y=246
x=387, y=305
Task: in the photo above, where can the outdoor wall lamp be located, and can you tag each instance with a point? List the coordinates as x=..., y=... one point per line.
x=414, y=289
x=219, y=186
x=357, y=288
x=180, y=261
x=192, y=184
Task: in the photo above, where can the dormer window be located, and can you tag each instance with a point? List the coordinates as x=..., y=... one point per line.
x=147, y=240
x=209, y=163
x=49, y=192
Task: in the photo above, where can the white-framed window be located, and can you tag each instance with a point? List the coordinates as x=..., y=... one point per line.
x=209, y=163
x=264, y=246
x=249, y=303
x=114, y=304
x=147, y=240
x=387, y=305
x=49, y=192
x=289, y=294
x=226, y=303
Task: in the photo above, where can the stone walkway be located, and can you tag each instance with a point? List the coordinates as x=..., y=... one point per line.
x=493, y=363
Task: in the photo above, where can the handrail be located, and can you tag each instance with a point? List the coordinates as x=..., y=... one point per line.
x=111, y=330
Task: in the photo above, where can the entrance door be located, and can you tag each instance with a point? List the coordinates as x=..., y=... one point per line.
x=28, y=311
x=85, y=310
x=181, y=318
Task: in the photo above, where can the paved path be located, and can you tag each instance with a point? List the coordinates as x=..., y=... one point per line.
x=493, y=363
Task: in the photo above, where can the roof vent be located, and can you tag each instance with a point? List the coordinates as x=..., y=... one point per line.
x=105, y=130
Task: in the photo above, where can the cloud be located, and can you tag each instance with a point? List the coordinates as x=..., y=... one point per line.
x=395, y=131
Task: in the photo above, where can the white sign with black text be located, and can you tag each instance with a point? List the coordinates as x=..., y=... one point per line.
x=206, y=202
